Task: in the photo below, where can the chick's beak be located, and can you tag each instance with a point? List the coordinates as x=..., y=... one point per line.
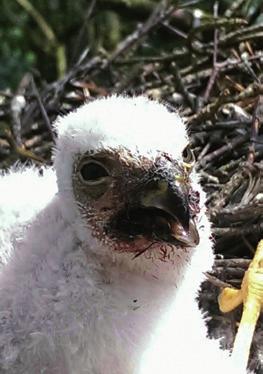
x=172, y=200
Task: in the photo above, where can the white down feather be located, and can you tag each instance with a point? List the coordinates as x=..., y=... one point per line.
x=68, y=304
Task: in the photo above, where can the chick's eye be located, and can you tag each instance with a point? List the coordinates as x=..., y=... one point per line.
x=93, y=172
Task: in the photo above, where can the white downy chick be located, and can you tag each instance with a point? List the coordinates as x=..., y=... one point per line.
x=23, y=193
x=102, y=276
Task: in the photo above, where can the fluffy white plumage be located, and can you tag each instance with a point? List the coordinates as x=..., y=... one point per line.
x=70, y=302
x=23, y=193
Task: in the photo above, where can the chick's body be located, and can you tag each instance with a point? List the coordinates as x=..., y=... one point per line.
x=82, y=292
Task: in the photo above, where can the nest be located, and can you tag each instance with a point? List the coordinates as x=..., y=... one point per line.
x=214, y=78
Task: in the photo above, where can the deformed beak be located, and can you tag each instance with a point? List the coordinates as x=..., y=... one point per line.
x=172, y=199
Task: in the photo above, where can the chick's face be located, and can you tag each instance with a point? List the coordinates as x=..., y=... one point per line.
x=137, y=204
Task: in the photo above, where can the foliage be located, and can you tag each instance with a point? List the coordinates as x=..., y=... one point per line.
x=24, y=46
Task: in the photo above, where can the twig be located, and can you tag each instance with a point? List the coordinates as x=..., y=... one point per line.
x=231, y=144
x=208, y=111
x=17, y=105
x=159, y=14
x=255, y=229
x=20, y=151
x=83, y=29
x=213, y=23
x=181, y=87
x=237, y=4
x=216, y=282
x=212, y=79
x=42, y=109
x=254, y=130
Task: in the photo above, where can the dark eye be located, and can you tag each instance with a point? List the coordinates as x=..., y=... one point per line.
x=93, y=172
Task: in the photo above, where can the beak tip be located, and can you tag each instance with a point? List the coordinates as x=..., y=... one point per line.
x=189, y=237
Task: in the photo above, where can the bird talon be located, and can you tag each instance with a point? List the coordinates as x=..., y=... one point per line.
x=229, y=299
x=251, y=295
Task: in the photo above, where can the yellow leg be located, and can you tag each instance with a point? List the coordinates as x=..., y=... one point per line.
x=244, y=336
x=251, y=295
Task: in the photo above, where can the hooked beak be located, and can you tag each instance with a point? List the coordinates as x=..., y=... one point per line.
x=172, y=199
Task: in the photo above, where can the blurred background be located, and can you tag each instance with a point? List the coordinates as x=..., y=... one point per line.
x=47, y=37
